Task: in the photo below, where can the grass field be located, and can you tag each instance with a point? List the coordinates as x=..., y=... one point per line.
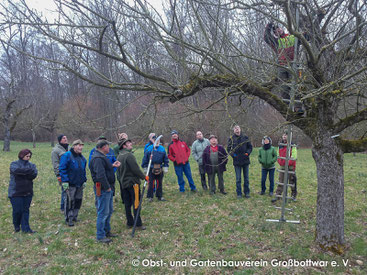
x=187, y=230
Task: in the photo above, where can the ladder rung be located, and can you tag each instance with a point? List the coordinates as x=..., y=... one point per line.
x=289, y=172
x=288, y=209
x=281, y=196
x=281, y=183
x=288, y=100
x=286, y=158
x=285, y=144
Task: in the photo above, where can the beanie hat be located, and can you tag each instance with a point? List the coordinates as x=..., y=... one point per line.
x=102, y=143
x=59, y=138
x=174, y=132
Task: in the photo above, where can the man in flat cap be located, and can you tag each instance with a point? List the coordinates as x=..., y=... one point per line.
x=103, y=176
x=73, y=178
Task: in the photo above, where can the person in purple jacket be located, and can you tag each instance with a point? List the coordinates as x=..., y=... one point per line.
x=215, y=159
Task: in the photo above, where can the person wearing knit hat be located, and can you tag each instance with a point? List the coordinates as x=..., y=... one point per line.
x=73, y=177
x=60, y=148
x=152, y=137
x=20, y=192
x=179, y=153
x=267, y=158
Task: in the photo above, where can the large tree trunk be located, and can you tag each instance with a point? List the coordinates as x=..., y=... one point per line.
x=33, y=137
x=330, y=192
x=6, y=147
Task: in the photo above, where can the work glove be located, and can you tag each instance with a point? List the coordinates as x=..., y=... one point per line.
x=145, y=170
x=147, y=178
x=59, y=180
x=65, y=185
x=246, y=154
x=165, y=170
x=84, y=185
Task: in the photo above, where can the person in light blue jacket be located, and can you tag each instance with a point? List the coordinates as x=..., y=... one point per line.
x=197, y=150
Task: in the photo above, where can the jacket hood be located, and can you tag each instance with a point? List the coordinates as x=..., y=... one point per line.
x=266, y=137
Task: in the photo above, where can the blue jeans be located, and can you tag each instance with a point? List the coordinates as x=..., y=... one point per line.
x=246, y=185
x=62, y=203
x=264, y=174
x=21, y=212
x=104, y=212
x=180, y=170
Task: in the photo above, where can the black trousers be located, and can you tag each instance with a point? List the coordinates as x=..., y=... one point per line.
x=128, y=198
x=155, y=182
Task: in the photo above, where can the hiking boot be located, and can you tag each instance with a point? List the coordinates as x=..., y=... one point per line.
x=161, y=199
x=212, y=192
x=70, y=223
x=247, y=196
x=30, y=231
x=271, y=194
x=104, y=240
x=223, y=192
x=194, y=190
x=150, y=200
x=111, y=235
x=262, y=193
x=142, y=227
x=239, y=196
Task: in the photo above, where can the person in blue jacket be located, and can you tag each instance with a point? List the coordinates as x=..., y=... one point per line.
x=157, y=169
x=20, y=191
x=73, y=178
x=151, y=138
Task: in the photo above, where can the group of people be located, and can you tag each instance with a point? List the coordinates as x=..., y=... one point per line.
x=106, y=163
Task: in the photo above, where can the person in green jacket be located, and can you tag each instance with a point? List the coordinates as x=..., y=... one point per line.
x=129, y=175
x=267, y=158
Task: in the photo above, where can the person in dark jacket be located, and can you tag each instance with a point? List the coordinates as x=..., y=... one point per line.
x=60, y=148
x=103, y=176
x=158, y=167
x=129, y=176
x=215, y=159
x=179, y=153
x=73, y=177
x=20, y=191
x=240, y=148
x=110, y=155
x=267, y=158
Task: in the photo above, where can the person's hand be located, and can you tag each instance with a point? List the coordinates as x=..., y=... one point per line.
x=59, y=180
x=116, y=164
x=147, y=178
x=165, y=170
x=65, y=185
x=246, y=154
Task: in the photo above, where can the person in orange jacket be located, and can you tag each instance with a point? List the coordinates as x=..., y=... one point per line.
x=179, y=153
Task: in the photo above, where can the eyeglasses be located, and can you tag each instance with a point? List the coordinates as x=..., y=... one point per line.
x=28, y=156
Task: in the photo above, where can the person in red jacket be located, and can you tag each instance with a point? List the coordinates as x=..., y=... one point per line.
x=179, y=153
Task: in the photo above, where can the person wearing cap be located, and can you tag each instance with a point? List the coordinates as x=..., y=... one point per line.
x=239, y=147
x=110, y=155
x=60, y=148
x=129, y=175
x=103, y=176
x=292, y=179
x=151, y=138
x=73, y=177
x=267, y=158
x=116, y=148
x=20, y=191
x=158, y=167
x=179, y=153
x=215, y=159
x=197, y=150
